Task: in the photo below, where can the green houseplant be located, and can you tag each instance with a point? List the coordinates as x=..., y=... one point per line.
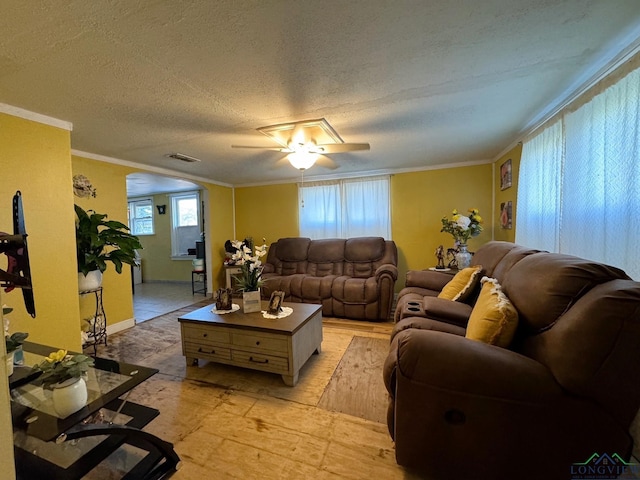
x=99, y=241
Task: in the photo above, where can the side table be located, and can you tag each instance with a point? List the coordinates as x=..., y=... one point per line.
x=199, y=277
x=98, y=331
x=230, y=271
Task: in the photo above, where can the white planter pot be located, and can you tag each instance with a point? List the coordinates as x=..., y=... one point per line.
x=91, y=281
x=69, y=396
x=251, y=302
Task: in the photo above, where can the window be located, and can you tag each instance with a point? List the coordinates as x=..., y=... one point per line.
x=345, y=209
x=185, y=223
x=141, y=216
x=592, y=172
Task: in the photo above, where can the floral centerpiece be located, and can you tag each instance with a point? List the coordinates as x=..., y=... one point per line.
x=462, y=227
x=59, y=367
x=251, y=277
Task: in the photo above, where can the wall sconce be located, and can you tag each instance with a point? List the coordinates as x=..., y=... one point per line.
x=162, y=209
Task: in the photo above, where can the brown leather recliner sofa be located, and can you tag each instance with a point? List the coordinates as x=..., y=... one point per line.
x=567, y=387
x=351, y=278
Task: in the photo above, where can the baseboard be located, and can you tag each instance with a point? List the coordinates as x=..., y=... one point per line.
x=118, y=327
x=181, y=282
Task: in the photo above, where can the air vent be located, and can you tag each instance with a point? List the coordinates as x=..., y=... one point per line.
x=183, y=157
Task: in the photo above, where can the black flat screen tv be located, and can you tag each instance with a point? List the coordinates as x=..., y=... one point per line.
x=18, y=273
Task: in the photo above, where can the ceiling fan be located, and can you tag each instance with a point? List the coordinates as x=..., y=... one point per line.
x=305, y=142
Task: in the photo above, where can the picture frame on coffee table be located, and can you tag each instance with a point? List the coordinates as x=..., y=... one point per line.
x=275, y=302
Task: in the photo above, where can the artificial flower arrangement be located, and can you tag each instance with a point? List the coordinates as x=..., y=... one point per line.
x=60, y=366
x=251, y=277
x=462, y=227
x=13, y=341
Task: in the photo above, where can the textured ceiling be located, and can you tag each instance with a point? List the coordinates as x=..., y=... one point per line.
x=424, y=82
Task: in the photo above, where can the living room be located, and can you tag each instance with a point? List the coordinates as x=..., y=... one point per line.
x=39, y=158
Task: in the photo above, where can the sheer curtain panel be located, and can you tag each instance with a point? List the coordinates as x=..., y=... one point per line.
x=345, y=208
x=539, y=190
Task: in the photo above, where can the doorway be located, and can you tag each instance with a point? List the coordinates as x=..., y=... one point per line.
x=163, y=284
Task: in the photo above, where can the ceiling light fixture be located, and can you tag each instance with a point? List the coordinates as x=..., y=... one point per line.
x=304, y=155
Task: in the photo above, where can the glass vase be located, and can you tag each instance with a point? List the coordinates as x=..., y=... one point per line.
x=463, y=257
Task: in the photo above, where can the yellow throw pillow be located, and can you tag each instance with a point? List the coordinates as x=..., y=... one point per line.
x=462, y=285
x=493, y=319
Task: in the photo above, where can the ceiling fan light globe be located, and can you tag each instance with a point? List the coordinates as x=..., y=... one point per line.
x=302, y=160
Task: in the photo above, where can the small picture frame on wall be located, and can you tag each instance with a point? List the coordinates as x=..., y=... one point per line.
x=505, y=175
x=506, y=210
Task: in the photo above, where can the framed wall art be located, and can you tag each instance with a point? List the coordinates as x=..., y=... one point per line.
x=506, y=211
x=505, y=175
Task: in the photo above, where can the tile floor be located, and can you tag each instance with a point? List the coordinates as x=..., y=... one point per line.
x=151, y=300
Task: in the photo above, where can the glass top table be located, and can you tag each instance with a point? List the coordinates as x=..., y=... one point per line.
x=86, y=438
x=32, y=406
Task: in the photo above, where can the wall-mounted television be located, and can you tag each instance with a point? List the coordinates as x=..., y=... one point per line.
x=14, y=246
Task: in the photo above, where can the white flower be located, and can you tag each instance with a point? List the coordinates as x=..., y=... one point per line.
x=463, y=222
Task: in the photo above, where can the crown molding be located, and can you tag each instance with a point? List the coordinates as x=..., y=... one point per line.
x=35, y=117
x=148, y=168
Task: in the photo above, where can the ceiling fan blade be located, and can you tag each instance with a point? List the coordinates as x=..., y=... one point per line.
x=342, y=147
x=326, y=162
x=277, y=149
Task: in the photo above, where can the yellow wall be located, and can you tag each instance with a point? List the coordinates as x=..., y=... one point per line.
x=157, y=264
x=36, y=160
x=109, y=180
x=269, y=212
x=219, y=228
x=419, y=200
x=508, y=194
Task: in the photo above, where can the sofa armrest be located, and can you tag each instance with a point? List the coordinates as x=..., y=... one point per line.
x=428, y=279
x=448, y=311
x=387, y=269
x=456, y=364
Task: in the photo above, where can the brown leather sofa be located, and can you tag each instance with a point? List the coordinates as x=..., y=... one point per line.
x=567, y=387
x=352, y=278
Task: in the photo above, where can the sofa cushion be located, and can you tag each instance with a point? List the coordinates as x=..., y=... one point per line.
x=293, y=249
x=493, y=319
x=462, y=284
x=561, y=280
x=364, y=249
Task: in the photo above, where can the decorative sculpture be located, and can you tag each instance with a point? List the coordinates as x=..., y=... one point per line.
x=440, y=256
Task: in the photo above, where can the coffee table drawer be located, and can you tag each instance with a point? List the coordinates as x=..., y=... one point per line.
x=258, y=361
x=194, y=333
x=273, y=343
x=206, y=351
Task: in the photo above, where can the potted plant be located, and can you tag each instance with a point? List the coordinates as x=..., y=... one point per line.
x=250, y=280
x=63, y=373
x=12, y=342
x=99, y=241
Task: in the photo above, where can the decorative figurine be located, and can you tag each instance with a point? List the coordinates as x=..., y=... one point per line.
x=451, y=253
x=440, y=256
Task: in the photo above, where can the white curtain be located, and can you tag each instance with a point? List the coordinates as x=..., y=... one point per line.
x=595, y=192
x=320, y=210
x=538, y=221
x=601, y=191
x=345, y=208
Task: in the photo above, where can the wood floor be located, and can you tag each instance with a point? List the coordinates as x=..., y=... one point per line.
x=227, y=422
